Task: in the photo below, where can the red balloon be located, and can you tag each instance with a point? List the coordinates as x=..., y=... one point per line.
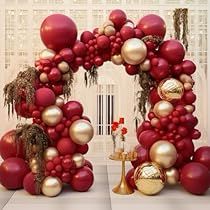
x=54, y=136
x=127, y=32
x=172, y=50
x=131, y=69
x=29, y=184
x=146, y=125
x=44, y=97
x=98, y=61
x=189, y=97
x=9, y=147
x=54, y=75
x=103, y=42
x=195, y=178
x=82, y=180
x=195, y=134
x=22, y=109
x=88, y=164
x=188, y=148
x=188, y=67
x=72, y=108
x=67, y=54
x=57, y=89
x=86, y=36
x=66, y=146
x=12, y=173
x=152, y=25
x=154, y=97
x=176, y=70
x=138, y=33
x=118, y=17
x=79, y=49
x=66, y=177
x=202, y=155
x=58, y=31
x=83, y=149
x=190, y=120
x=130, y=178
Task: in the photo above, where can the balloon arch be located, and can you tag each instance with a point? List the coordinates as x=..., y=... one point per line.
x=54, y=144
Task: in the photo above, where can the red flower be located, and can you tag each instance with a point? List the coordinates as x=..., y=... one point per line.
x=116, y=124
x=124, y=130
x=114, y=127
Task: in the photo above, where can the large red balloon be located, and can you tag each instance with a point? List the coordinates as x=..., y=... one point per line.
x=9, y=147
x=29, y=184
x=79, y=49
x=82, y=180
x=118, y=17
x=195, y=178
x=66, y=146
x=58, y=31
x=202, y=155
x=12, y=173
x=152, y=25
x=72, y=108
x=130, y=179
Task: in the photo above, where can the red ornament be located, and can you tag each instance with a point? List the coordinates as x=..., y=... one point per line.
x=54, y=75
x=103, y=42
x=118, y=17
x=189, y=97
x=72, y=108
x=66, y=146
x=58, y=31
x=195, y=178
x=131, y=69
x=12, y=173
x=127, y=32
x=130, y=178
x=86, y=36
x=83, y=149
x=188, y=67
x=67, y=55
x=29, y=184
x=79, y=49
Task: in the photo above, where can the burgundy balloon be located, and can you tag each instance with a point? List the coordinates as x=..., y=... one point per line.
x=54, y=75
x=177, y=69
x=188, y=67
x=58, y=31
x=83, y=149
x=66, y=146
x=54, y=136
x=98, y=61
x=154, y=97
x=188, y=150
x=131, y=69
x=189, y=97
x=86, y=36
x=88, y=164
x=118, y=17
x=127, y=32
x=29, y=184
x=57, y=89
x=67, y=54
x=79, y=49
x=130, y=178
x=103, y=42
x=72, y=108
x=138, y=33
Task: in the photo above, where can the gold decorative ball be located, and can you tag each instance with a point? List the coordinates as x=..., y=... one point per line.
x=51, y=186
x=34, y=168
x=50, y=153
x=66, y=77
x=172, y=176
x=47, y=54
x=33, y=161
x=145, y=65
x=189, y=108
x=149, y=178
x=63, y=66
x=188, y=86
x=186, y=78
x=109, y=31
x=154, y=121
x=108, y=23
x=59, y=101
x=43, y=77
x=79, y=160
x=52, y=115
x=134, y=51
x=81, y=132
x=164, y=153
x=170, y=89
x=101, y=30
x=117, y=59
x=163, y=108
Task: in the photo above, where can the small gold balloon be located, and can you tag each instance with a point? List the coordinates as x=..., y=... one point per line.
x=52, y=115
x=43, y=77
x=117, y=59
x=163, y=108
x=186, y=78
x=145, y=65
x=149, y=178
x=81, y=132
x=101, y=30
x=164, y=153
x=66, y=77
x=154, y=121
x=34, y=168
x=63, y=67
x=51, y=186
x=108, y=23
x=33, y=161
x=189, y=108
x=188, y=86
x=172, y=176
x=47, y=54
x=79, y=160
x=134, y=51
x=109, y=31
x=59, y=101
x=50, y=153
x=170, y=89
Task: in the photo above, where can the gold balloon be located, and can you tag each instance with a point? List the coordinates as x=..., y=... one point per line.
x=188, y=86
x=52, y=115
x=108, y=23
x=170, y=89
x=35, y=148
x=63, y=67
x=154, y=121
x=163, y=108
x=172, y=176
x=43, y=77
x=59, y=101
x=145, y=65
x=134, y=51
x=47, y=54
x=164, y=153
x=189, y=108
x=34, y=168
x=149, y=178
x=66, y=77
x=109, y=31
x=32, y=162
x=79, y=160
x=117, y=59
x=186, y=78
x=51, y=186
x=81, y=132
x=101, y=30
x=50, y=153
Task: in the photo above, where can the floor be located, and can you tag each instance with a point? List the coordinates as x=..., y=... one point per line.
x=101, y=197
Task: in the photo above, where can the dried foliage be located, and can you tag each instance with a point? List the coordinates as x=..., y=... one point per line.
x=91, y=77
x=68, y=85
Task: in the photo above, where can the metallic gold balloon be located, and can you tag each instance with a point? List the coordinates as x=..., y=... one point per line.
x=59, y=101
x=63, y=67
x=172, y=176
x=170, y=89
x=52, y=115
x=79, y=160
x=188, y=86
x=32, y=162
x=189, y=108
x=108, y=23
x=50, y=153
x=34, y=168
x=109, y=31
x=186, y=78
x=66, y=77
x=117, y=59
x=145, y=65
x=101, y=30
x=163, y=108
x=47, y=54
x=164, y=153
x=51, y=186
x=134, y=51
x=43, y=77
x=149, y=178
x=81, y=132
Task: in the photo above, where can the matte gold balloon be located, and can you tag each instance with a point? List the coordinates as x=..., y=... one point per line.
x=145, y=65
x=170, y=89
x=52, y=115
x=34, y=168
x=63, y=67
x=108, y=23
x=79, y=160
x=117, y=59
x=109, y=31
x=149, y=178
x=101, y=30
x=164, y=153
x=134, y=51
x=47, y=54
x=43, y=77
x=66, y=77
x=32, y=162
x=163, y=108
x=189, y=108
x=172, y=176
x=50, y=153
x=188, y=86
x=59, y=101
x=81, y=132
x=186, y=78
x=51, y=186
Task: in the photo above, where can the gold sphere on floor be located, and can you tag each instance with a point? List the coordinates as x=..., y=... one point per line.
x=172, y=176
